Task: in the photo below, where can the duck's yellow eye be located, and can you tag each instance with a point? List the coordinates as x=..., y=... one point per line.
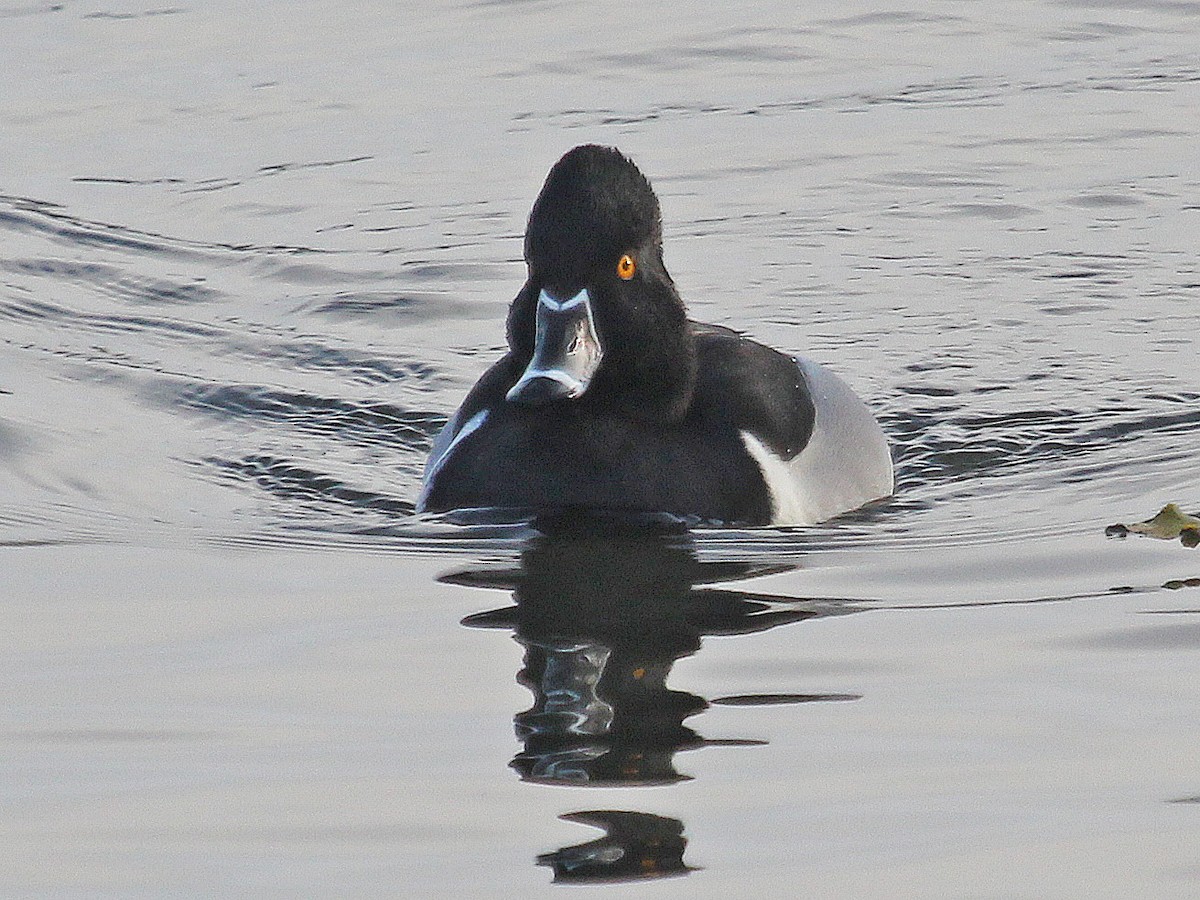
x=626, y=267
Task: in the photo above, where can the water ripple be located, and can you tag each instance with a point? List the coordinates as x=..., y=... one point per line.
x=360, y=423
x=294, y=482
x=114, y=282
x=40, y=311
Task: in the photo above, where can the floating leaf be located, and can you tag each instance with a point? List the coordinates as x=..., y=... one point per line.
x=1170, y=523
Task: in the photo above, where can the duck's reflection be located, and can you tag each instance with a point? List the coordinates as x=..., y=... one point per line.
x=603, y=611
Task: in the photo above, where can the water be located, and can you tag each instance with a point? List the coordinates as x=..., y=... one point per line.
x=251, y=259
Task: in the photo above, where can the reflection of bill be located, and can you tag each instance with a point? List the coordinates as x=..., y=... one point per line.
x=603, y=613
x=635, y=846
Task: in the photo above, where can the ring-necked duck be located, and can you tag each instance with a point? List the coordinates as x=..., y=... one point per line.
x=610, y=398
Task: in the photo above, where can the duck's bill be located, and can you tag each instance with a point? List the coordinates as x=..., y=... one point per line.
x=566, y=351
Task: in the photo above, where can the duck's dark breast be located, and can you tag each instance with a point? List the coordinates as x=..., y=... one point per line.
x=555, y=456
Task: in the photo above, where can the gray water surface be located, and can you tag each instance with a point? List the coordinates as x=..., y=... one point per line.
x=252, y=257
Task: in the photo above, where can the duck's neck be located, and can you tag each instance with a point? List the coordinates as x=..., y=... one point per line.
x=652, y=374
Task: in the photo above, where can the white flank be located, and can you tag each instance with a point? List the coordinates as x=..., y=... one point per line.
x=790, y=504
x=845, y=464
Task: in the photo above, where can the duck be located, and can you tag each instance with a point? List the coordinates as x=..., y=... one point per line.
x=610, y=399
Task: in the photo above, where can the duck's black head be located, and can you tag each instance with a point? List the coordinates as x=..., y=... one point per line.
x=599, y=322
